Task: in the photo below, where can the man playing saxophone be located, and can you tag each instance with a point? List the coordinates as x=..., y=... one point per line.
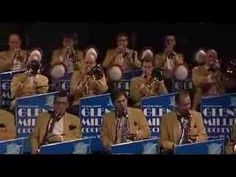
x=146, y=84
x=124, y=124
x=182, y=125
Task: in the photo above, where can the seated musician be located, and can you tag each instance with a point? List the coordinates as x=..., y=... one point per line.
x=146, y=85
x=124, y=124
x=182, y=125
x=7, y=125
x=31, y=82
x=56, y=126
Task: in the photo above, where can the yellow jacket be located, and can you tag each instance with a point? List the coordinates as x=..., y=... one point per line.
x=170, y=131
x=230, y=146
x=110, y=59
x=135, y=89
x=61, y=52
x=77, y=94
x=69, y=133
x=137, y=122
x=160, y=59
x=200, y=80
x=7, y=125
x=30, y=85
x=6, y=60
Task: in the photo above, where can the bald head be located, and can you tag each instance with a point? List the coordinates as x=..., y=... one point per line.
x=14, y=41
x=211, y=56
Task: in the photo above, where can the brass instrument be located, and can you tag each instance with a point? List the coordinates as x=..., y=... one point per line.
x=157, y=76
x=185, y=122
x=17, y=55
x=96, y=73
x=59, y=70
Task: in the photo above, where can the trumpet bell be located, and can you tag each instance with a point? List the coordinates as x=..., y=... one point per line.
x=96, y=72
x=58, y=71
x=158, y=74
x=181, y=72
x=115, y=73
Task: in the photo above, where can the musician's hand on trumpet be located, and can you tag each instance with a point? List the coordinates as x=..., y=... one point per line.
x=119, y=60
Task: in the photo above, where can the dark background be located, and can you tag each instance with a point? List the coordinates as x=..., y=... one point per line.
x=189, y=36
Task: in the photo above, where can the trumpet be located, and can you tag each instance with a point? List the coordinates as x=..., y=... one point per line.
x=17, y=55
x=71, y=54
x=96, y=73
x=156, y=77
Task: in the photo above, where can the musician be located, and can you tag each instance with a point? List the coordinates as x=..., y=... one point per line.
x=121, y=56
x=82, y=82
x=7, y=126
x=146, y=85
x=67, y=55
x=57, y=126
x=182, y=125
x=30, y=82
x=14, y=58
x=208, y=79
x=169, y=60
x=231, y=145
x=124, y=124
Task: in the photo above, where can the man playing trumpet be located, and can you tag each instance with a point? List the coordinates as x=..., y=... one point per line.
x=146, y=85
x=83, y=82
x=169, y=60
x=31, y=82
x=15, y=57
x=208, y=79
x=182, y=125
x=122, y=56
x=68, y=56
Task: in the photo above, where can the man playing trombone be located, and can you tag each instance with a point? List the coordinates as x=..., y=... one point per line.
x=89, y=80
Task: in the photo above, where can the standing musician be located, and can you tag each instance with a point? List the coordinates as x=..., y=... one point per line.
x=15, y=57
x=147, y=84
x=66, y=59
x=55, y=126
x=122, y=56
x=124, y=124
x=181, y=126
x=208, y=79
x=169, y=60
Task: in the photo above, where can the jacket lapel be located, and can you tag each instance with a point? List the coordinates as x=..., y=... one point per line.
x=66, y=124
x=176, y=128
